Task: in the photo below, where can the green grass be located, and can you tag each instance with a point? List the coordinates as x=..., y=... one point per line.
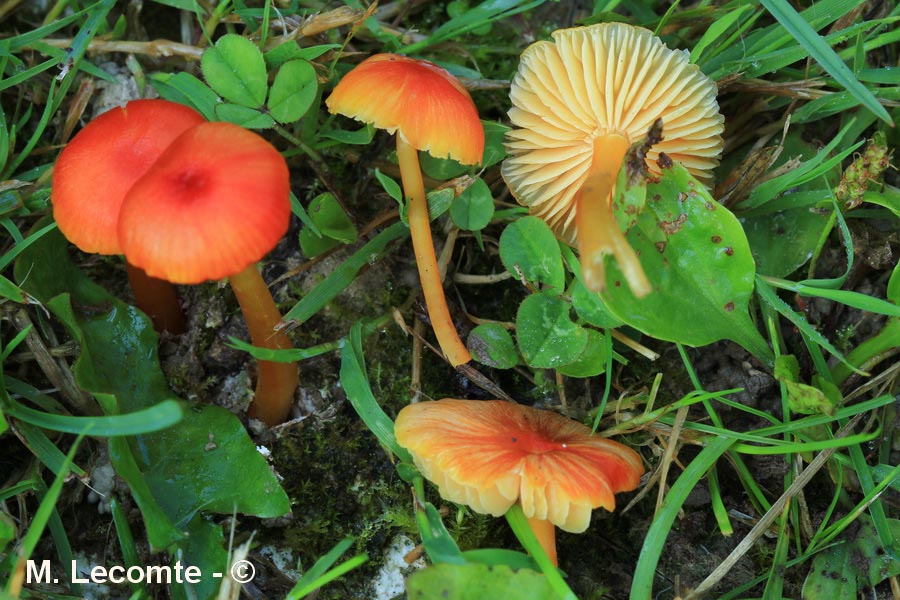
x=815, y=285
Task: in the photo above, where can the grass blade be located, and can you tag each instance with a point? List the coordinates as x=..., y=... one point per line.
x=824, y=55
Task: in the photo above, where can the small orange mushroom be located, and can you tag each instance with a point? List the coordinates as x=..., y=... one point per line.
x=491, y=454
x=95, y=171
x=214, y=203
x=429, y=110
x=578, y=103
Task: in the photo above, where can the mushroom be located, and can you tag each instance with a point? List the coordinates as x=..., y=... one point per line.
x=429, y=110
x=213, y=204
x=578, y=103
x=491, y=454
x=94, y=172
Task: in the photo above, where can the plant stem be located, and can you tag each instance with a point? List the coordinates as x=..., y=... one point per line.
x=426, y=261
x=598, y=232
x=157, y=298
x=276, y=382
x=545, y=532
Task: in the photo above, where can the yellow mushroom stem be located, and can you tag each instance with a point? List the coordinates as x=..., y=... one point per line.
x=157, y=298
x=426, y=261
x=545, y=532
x=598, y=232
x=276, y=382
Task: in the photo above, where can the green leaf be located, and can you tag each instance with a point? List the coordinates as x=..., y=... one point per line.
x=293, y=91
x=492, y=345
x=824, y=55
x=194, y=466
x=172, y=473
x=843, y=570
x=249, y=118
x=589, y=306
x=529, y=249
x=698, y=261
x=802, y=398
x=390, y=186
x=477, y=582
x=783, y=242
x=202, y=547
x=473, y=209
x=355, y=382
x=332, y=222
x=494, y=136
x=360, y=137
x=328, y=215
x=547, y=336
x=186, y=89
x=591, y=362
x=236, y=70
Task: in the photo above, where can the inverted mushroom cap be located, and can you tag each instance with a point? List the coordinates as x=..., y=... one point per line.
x=609, y=78
x=102, y=162
x=424, y=103
x=489, y=454
x=215, y=202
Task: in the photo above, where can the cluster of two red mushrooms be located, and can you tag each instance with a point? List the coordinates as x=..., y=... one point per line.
x=186, y=201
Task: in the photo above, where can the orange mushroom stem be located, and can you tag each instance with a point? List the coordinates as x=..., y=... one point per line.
x=157, y=299
x=598, y=231
x=276, y=381
x=426, y=260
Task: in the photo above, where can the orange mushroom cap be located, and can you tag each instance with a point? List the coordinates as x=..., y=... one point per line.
x=609, y=78
x=490, y=454
x=102, y=162
x=216, y=201
x=419, y=100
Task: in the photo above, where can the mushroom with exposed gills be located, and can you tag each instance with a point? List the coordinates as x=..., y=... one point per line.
x=429, y=110
x=491, y=454
x=214, y=203
x=578, y=103
x=95, y=171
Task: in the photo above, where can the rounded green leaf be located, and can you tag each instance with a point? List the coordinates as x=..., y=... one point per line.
x=589, y=306
x=328, y=215
x=547, y=336
x=696, y=256
x=249, y=118
x=783, y=242
x=293, y=91
x=473, y=209
x=591, y=362
x=492, y=345
x=236, y=70
x=528, y=247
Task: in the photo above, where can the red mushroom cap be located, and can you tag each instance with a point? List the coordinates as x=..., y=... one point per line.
x=216, y=201
x=102, y=162
x=424, y=103
x=489, y=454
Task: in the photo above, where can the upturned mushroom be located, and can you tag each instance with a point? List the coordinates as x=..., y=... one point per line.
x=491, y=454
x=95, y=171
x=429, y=110
x=214, y=203
x=578, y=103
